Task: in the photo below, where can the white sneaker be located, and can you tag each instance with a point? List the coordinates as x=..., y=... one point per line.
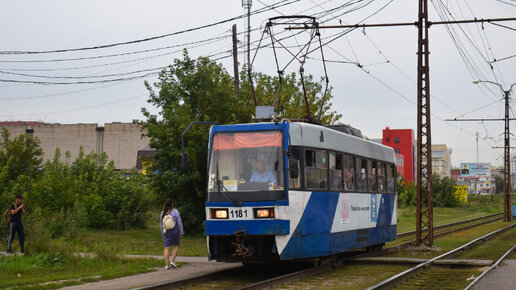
x=168, y=267
x=173, y=264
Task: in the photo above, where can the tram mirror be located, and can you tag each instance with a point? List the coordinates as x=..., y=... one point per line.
x=293, y=166
x=184, y=161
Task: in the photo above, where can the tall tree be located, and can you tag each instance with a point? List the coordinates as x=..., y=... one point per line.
x=202, y=90
x=290, y=103
x=188, y=90
x=20, y=157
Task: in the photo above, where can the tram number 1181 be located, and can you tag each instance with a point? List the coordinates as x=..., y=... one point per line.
x=238, y=213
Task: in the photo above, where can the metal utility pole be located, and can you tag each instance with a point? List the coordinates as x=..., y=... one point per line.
x=507, y=208
x=246, y=4
x=235, y=61
x=507, y=162
x=424, y=214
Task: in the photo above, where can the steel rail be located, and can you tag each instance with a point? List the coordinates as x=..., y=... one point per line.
x=439, y=234
x=404, y=275
x=504, y=256
x=287, y=278
x=192, y=280
x=406, y=234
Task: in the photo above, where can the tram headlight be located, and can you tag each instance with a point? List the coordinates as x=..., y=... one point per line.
x=219, y=213
x=263, y=213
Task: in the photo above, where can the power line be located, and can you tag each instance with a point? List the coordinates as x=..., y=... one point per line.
x=78, y=82
x=77, y=109
x=83, y=77
x=201, y=42
x=17, y=98
x=259, y=11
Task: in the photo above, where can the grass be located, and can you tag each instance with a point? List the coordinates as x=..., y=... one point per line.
x=454, y=240
x=407, y=216
x=494, y=248
x=138, y=242
x=29, y=271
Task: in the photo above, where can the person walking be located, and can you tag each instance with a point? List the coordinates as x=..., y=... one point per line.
x=15, y=224
x=171, y=237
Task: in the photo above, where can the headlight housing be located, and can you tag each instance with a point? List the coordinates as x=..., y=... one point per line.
x=219, y=213
x=264, y=213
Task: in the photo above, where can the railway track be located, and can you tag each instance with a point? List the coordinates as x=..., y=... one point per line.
x=405, y=275
x=238, y=277
x=450, y=225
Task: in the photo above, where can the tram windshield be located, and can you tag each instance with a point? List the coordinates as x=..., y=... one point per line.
x=246, y=161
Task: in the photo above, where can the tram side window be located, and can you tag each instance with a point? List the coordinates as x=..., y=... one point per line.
x=349, y=172
x=336, y=171
x=390, y=178
x=316, y=169
x=372, y=172
x=362, y=174
x=381, y=177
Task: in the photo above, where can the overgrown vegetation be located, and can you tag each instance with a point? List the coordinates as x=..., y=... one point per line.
x=443, y=189
x=64, y=196
x=89, y=193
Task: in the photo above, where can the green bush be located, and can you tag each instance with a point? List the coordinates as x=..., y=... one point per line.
x=406, y=193
x=443, y=189
x=89, y=193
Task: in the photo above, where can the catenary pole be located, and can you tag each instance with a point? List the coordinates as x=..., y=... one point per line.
x=424, y=211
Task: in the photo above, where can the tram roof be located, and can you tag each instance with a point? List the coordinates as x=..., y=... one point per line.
x=309, y=135
x=306, y=134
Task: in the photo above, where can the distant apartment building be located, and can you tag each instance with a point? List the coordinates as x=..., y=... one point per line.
x=120, y=141
x=404, y=145
x=513, y=163
x=441, y=160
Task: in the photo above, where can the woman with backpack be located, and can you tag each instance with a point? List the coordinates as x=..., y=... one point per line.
x=172, y=235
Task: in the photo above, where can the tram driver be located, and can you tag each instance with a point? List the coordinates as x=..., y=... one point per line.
x=261, y=174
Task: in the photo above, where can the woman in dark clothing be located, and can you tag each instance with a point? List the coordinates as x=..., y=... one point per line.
x=171, y=237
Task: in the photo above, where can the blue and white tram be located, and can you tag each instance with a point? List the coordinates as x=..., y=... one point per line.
x=319, y=192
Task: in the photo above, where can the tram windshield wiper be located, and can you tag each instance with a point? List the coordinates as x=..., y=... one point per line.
x=224, y=190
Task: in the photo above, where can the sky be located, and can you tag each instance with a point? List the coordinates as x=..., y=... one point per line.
x=372, y=71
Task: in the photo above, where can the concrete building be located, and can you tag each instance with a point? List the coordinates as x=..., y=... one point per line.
x=403, y=142
x=120, y=141
x=513, y=163
x=441, y=160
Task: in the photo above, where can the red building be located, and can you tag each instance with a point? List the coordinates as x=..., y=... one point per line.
x=403, y=142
